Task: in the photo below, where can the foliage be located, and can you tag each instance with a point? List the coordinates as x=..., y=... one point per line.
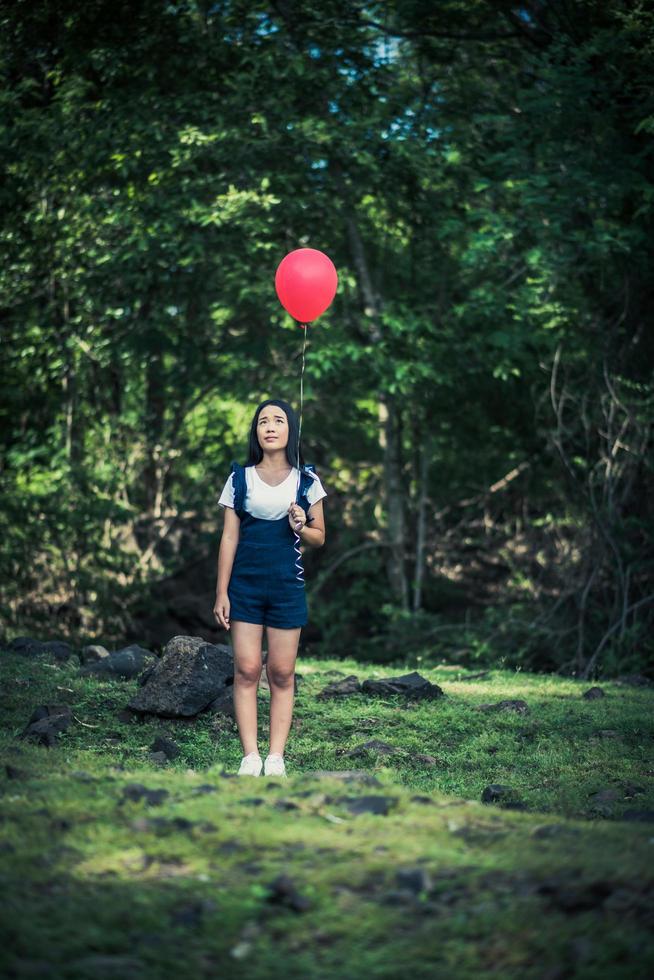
x=489, y=166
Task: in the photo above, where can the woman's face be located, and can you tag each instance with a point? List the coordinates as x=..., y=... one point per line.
x=272, y=427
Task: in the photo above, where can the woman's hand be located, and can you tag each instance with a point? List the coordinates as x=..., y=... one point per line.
x=221, y=610
x=296, y=516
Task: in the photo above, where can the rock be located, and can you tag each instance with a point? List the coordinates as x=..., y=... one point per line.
x=25, y=645
x=29, y=647
x=203, y=789
x=497, y=793
x=137, y=791
x=224, y=704
x=573, y=896
x=410, y=685
x=126, y=663
x=593, y=693
x=396, y=896
x=414, y=880
x=58, y=649
x=46, y=722
x=14, y=773
x=345, y=775
x=283, y=892
x=286, y=805
x=634, y=680
x=127, y=716
x=606, y=795
x=188, y=678
x=166, y=745
x=380, y=805
x=93, y=653
x=631, y=789
x=158, y=758
x=337, y=689
x=640, y=816
x=510, y=704
x=191, y=914
x=374, y=745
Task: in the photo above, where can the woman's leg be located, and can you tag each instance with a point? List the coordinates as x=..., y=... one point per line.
x=246, y=643
x=280, y=670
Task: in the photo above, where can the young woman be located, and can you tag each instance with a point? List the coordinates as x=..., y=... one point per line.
x=268, y=503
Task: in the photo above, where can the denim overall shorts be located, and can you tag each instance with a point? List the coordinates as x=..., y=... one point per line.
x=264, y=587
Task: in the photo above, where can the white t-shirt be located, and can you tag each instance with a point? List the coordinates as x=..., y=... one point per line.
x=266, y=502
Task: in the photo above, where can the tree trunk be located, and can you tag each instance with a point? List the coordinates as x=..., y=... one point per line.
x=388, y=414
x=421, y=528
x=154, y=423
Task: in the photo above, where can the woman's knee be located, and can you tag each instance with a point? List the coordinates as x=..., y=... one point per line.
x=280, y=677
x=247, y=672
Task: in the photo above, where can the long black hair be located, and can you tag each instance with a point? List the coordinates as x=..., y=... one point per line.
x=255, y=452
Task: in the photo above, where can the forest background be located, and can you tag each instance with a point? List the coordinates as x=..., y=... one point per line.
x=478, y=399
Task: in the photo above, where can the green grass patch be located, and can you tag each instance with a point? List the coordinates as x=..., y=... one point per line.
x=99, y=884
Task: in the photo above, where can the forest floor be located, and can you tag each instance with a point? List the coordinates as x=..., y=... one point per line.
x=113, y=864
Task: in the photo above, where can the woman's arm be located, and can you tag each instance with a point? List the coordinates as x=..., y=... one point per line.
x=228, y=545
x=313, y=533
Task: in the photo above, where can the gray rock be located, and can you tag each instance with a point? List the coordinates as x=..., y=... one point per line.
x=29, y=647
x=415, y=880
x=606, y=795
x=224, y=703
x=92, y=653
x=497, y=793
x=166, y=745
x=411, y=685
x=592, y=693
x=339, y=689
x=125, y=664
x=510, y=704
x=380, y=805
x=58, y=649
x=14, y=773
x=282, y=891
x=137, y=791
x=634, y=680
x=345, y=775
x=46, y=722
x=25, y=645
x=374, y=745
x=188, y=678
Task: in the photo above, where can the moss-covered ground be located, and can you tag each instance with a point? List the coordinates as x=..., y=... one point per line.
x=295, y=878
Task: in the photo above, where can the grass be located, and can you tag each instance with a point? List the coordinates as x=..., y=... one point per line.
x=96, y=884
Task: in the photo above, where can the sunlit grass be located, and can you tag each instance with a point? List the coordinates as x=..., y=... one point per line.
x=185, y=887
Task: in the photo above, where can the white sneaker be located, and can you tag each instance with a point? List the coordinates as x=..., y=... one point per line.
x=274, y=765
x=250, y=765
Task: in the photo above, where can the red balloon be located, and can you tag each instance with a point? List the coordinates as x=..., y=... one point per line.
x=306, y=283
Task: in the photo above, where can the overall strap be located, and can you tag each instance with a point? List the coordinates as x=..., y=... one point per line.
x=239, y=487
x=306, y=481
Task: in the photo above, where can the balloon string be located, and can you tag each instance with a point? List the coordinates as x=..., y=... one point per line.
x=298, y=560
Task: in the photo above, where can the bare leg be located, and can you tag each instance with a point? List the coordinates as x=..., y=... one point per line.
x=280, y=670
x=246, y=641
